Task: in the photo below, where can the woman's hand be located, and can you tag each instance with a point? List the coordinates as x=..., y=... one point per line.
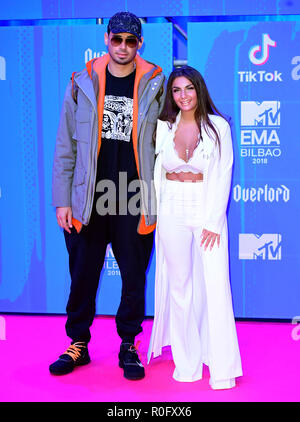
x=209, y=239
x=64, y=218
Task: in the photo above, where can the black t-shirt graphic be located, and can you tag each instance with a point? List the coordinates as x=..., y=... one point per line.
x=116, y=152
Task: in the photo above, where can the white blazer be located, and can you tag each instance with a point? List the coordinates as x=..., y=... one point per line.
x=217, y=174
x=216, y=189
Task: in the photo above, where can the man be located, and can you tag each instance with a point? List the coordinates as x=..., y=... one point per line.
x=105, y=140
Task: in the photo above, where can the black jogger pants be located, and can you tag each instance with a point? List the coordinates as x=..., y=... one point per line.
x=87, y=251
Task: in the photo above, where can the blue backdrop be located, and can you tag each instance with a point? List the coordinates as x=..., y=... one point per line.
x=57, y=9
x=252, y=70
x=36, y=64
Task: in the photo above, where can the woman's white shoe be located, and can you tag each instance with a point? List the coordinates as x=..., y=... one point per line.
x=222, y=384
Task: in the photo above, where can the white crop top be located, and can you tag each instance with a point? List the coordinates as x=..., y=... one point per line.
x=174, y=164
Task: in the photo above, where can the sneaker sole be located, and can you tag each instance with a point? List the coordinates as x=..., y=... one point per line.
x=131, y=377
x=71, y=370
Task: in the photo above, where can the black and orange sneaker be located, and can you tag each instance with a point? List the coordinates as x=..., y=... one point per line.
x=77, y=354
x=130, y=362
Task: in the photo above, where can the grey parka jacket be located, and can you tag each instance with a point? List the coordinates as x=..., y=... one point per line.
x=78, y=140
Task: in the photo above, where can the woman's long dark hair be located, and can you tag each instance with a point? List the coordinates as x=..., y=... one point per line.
x=205, y=103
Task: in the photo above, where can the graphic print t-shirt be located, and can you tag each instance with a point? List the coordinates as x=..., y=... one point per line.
x=116, y=153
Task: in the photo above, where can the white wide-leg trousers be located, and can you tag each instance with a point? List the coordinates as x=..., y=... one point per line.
x=192, y=340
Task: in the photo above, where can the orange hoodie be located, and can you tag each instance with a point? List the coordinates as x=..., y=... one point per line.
x=142, y=67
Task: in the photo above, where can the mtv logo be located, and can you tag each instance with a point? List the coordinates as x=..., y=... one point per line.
x=261, y=114
x=264, y=247
x=2, y=69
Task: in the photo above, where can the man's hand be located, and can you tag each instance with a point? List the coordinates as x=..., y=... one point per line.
x=64, y=218
x=209, y=238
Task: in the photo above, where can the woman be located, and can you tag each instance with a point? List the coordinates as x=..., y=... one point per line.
x=193, y=305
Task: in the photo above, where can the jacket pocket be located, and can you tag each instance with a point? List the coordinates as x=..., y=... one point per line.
x=82, y=125
x=79, y=176
x=78, y=191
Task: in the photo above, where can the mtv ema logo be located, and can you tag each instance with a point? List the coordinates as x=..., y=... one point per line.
x=261, y=247
x=266, y=113
x=260, y=124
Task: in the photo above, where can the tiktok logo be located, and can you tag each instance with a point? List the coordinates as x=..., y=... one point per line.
x=259, y=55
x=266, y=43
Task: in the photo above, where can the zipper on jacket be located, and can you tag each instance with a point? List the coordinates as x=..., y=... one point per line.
x=89, y=195
x=159, y=84
x=90, y=192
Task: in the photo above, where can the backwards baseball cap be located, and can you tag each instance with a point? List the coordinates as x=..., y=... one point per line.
x=125, y=22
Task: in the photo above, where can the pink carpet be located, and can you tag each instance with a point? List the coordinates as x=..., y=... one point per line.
x=28, y=344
